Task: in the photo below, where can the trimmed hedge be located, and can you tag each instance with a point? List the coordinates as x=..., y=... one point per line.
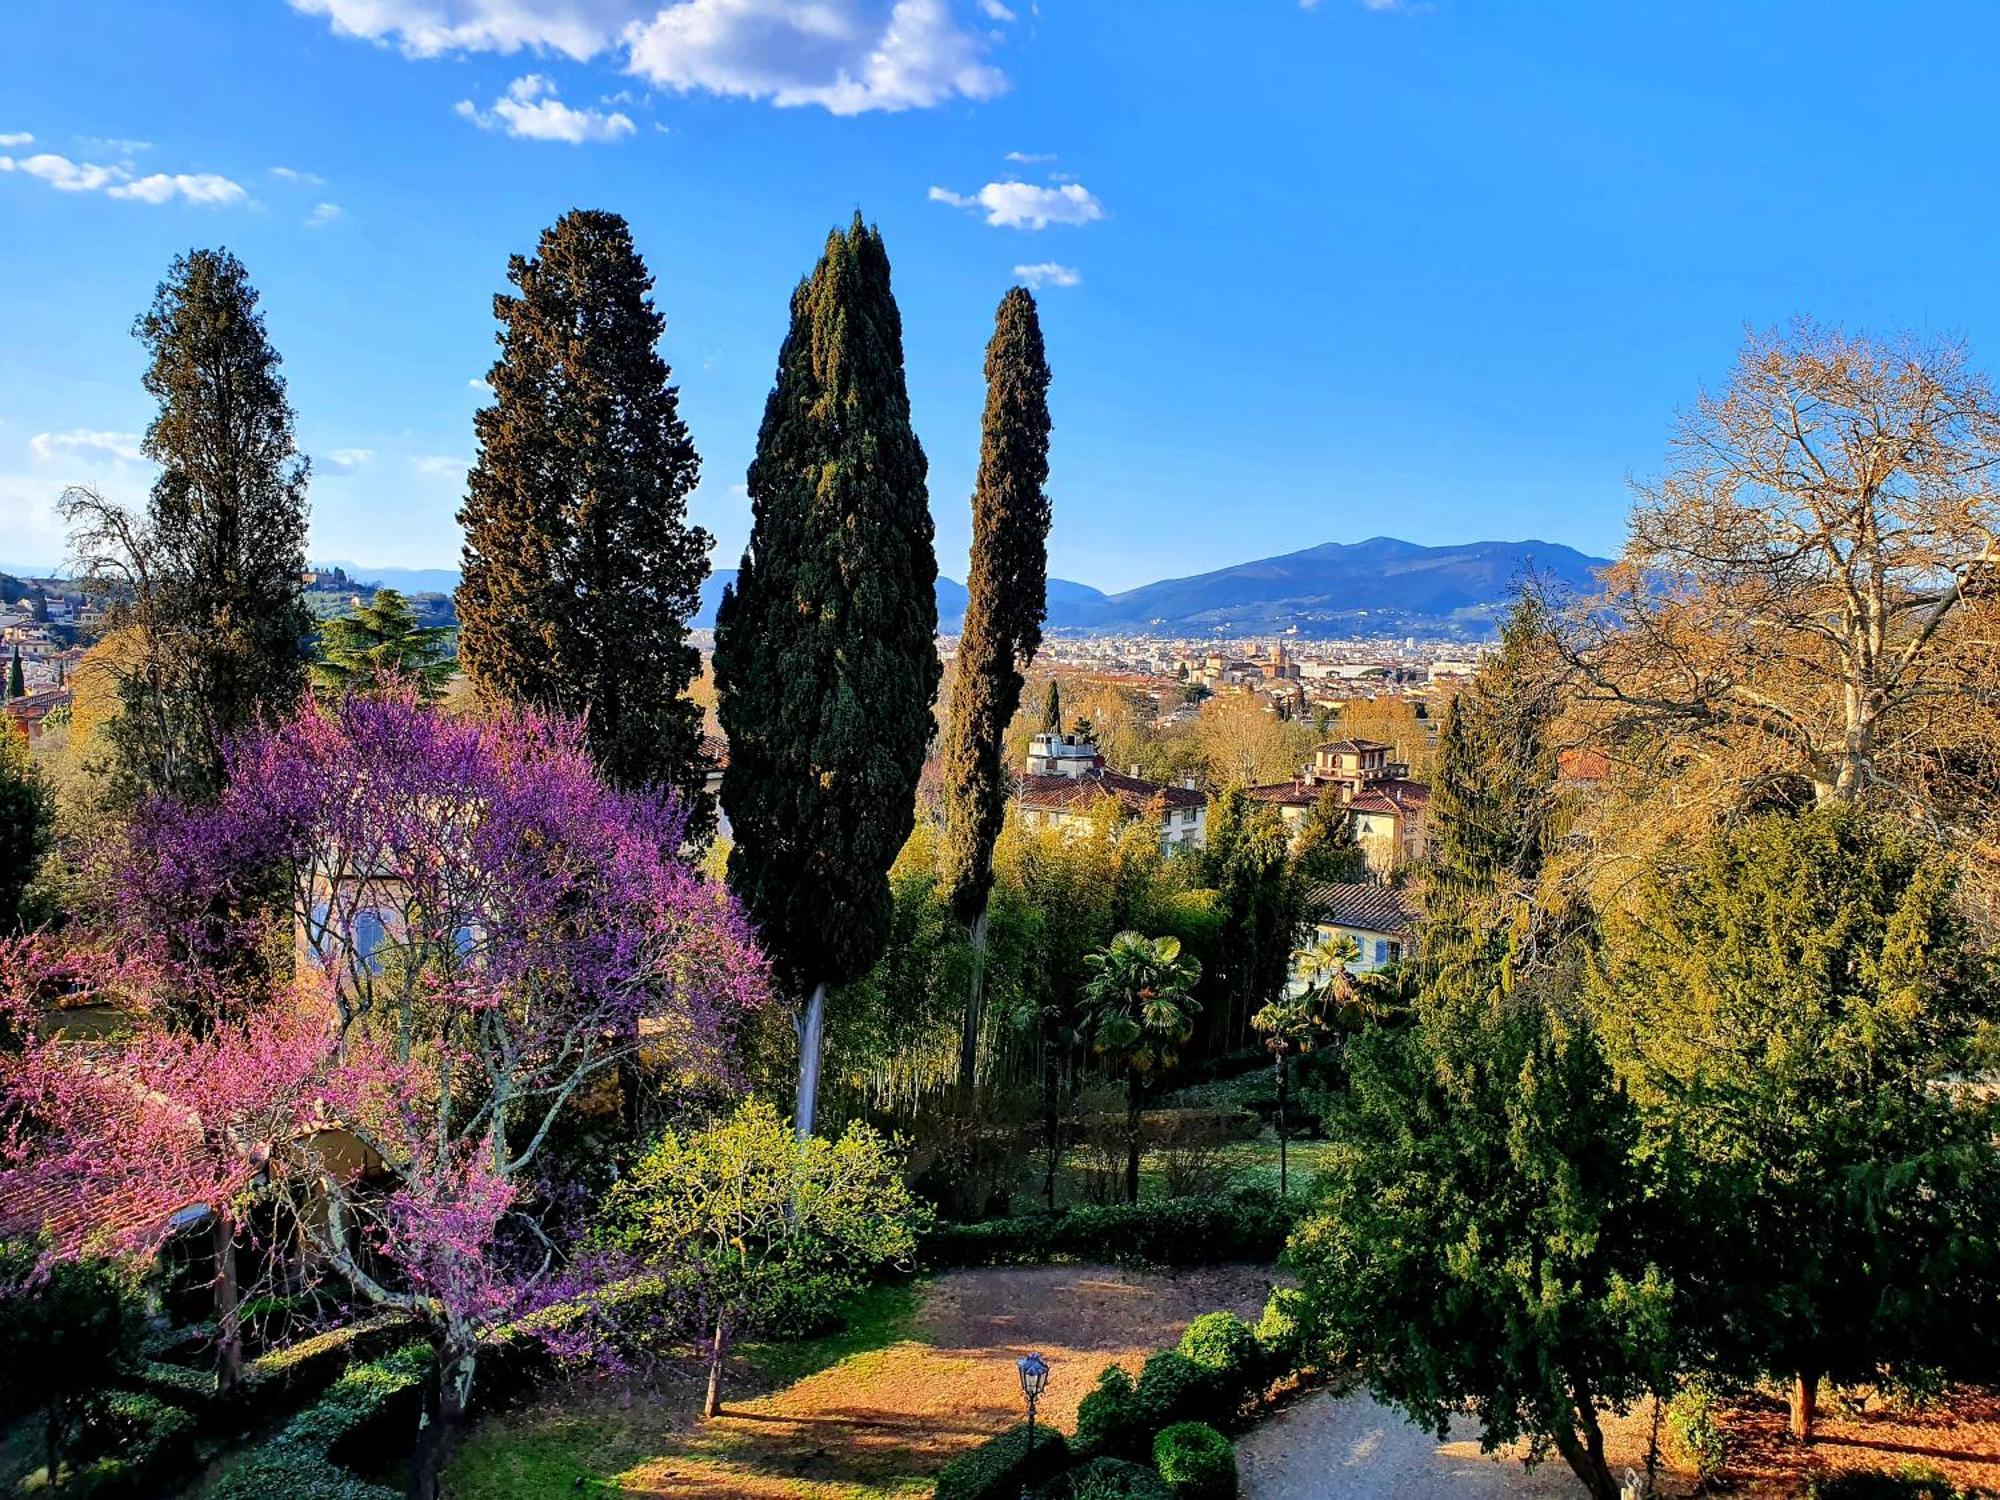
x=153, y=1443
x=1222, y=1343
x=303, y=1461
x=1001, y=1468
x=283, y=1379
x=1196, y=1462
x=1251, y=1224
x=1284, y=1332
x=1858, y=1484
x=1119, y=1417
x=1106, y=1479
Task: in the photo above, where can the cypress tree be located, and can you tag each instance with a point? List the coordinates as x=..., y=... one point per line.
x=580, y=569
x=1008, y=588
x=212, y=584
x=1052, y=708
x=825, y=652
x=17, y=684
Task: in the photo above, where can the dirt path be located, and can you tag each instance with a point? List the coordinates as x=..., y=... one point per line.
x=879, y=1423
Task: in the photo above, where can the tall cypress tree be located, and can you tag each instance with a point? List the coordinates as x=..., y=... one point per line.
x=825, y=653
x=17, y=684
x=1008, y=589
x=211, y=585
x=581, y=570
x=1052, y=708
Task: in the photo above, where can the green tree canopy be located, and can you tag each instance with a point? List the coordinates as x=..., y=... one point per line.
x=210, y=584
x=381, y=641
x=1007, y=589
x=757, y=1218
x=826, y=660
x=1797, y=1012
x=581, y=571
x=27, y=826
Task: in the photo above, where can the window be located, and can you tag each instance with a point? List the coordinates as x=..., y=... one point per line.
x=1395, y=951
x=1381, y=952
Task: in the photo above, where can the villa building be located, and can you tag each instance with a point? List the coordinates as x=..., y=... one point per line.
x=1067, y=786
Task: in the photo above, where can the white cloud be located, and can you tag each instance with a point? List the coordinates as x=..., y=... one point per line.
x=47, y=446
x=477, y=384
x=345, y=460
x=1030, y=158
x=18, y=138
x=67, y=176
x=323, y=214
x=1023, y=205
x=293, y=174
x=579, y=29
x=1049, y=273
x=847, y=56
x=531, y=111
x=439, y=463
x=112, y=145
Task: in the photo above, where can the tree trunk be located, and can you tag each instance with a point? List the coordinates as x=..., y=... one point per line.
x=1585, y=1454
x=711, y=1406
x=1132, y=1139
x=229, y=1362
x=1805, y=1405
x=1051, y=1098
x=446, y=1395
x=1284, y=1077
x=811, y=1027
x=975, y=1004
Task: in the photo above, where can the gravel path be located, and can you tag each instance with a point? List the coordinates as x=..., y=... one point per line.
x=1351, y=1447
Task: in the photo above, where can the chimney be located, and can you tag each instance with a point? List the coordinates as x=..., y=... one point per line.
x=1133, y=771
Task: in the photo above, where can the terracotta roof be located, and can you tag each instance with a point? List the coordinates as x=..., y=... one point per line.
x=1353, y=747
x=1371, y=908
x=1079, y=793
x=1290, y=793
x=1391, y=796
x=1585, y=764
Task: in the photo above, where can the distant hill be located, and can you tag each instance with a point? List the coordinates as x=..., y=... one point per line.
x=1378, y=587
x=951, y=599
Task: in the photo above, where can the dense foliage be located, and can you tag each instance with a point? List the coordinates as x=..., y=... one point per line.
x=27, y=829
x=825, y=659
x=581, y=571
x=379, y=645
x=1007, y=596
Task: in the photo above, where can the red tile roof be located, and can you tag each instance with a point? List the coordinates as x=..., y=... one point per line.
x=1078, y=794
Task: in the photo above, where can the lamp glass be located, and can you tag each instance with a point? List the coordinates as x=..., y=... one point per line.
x=1034, y=1374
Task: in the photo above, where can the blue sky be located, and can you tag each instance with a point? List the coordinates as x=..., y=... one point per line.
x=1441, y=270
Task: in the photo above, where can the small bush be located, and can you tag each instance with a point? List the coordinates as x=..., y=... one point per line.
x=1222, y=1344
x=1694, y=1435
x=1859, y=1485
x=1283, y=1332
x=1107, y=1479
x=1196, y=1462
x=1109, y=1420
x=1173, y=1388
x=1003, y=1467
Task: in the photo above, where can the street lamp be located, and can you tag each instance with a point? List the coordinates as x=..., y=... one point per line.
x=1034, y=1376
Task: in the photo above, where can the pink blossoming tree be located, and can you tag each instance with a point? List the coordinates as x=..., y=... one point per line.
x=482, y=930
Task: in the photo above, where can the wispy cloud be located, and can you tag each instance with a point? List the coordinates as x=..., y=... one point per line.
x=112, y=145
x=531, y=111
x=345, y=460
x=1030, y=158
x=1049, y=273
x=293, y=174
x=845, y=56
x=1025, y=205
x=440, y=463
x=324, y=214
x=51, y=445
x=16, y=140
x=67, y=176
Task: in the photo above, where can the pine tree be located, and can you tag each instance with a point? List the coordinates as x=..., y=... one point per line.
x=1008, y=588
x=378, y=641
x=211, y=584
x=825, y=652
x=581, y=570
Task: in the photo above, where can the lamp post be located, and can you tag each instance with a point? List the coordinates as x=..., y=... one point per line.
x=1034, y=1376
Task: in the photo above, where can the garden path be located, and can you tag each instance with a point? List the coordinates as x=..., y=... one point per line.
x=882, y=1420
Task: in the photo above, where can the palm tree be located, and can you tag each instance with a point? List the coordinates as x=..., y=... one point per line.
x=1296, y=1022
x=1140, y=1009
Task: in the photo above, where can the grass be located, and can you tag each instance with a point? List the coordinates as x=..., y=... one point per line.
x=873, y=1319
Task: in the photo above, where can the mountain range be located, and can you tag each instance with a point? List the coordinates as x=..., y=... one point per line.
x=1382, y=586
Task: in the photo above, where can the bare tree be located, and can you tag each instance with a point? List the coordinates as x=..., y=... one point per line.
x=1807, y=593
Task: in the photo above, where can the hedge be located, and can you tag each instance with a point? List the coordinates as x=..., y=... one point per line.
x=1858, y=1484
x=283, y=1379
x=1196, y=1462
x=1106, y=1479
x=154, y=1443
x=1002, y=1467
x=303, y=1461
x=1250, y=1224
